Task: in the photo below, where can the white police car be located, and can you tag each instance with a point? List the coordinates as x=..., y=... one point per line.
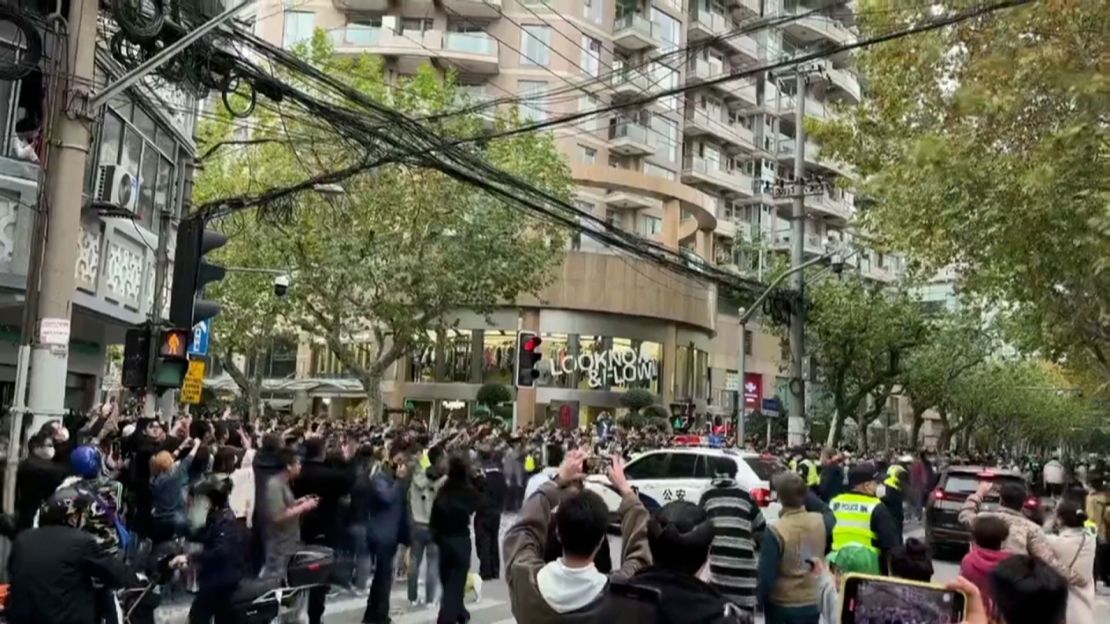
x=684, y=473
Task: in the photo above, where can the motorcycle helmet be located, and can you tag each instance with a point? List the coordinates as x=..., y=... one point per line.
x=68, y=506
x=85, y=461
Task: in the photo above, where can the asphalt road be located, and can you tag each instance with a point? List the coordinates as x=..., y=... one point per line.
x=494, y=608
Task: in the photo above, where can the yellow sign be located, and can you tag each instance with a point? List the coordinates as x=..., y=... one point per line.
x=193, y=384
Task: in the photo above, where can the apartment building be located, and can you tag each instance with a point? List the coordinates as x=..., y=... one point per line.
x=693, y=171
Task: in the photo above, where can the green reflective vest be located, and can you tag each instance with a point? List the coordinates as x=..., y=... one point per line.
x=812, y=473
x=853, y=520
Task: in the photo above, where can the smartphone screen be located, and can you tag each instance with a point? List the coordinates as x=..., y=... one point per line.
x=873, y=600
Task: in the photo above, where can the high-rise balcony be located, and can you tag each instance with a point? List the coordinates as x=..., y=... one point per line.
x=813, y=244
x=743, y=9
x=362, y=5
x=409, y=48
x=700, y=122
x=485, y=9
x=836, y=207
x=629, y=82
x=845, y=82
x=629, y=138
x=472, y=52
x=705, y=24
x=701, y=171
x=736, y=230
x=634, y=32
x=812, y=29
x=744, y=47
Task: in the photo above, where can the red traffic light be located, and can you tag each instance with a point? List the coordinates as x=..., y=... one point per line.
x=175, y=343
x=532, y=343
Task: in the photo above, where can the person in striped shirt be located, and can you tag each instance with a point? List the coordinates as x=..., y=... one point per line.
x=737, y=527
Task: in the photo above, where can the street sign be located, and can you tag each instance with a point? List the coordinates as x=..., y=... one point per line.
x=199, y=345
x=773, y=405
x=193, y=385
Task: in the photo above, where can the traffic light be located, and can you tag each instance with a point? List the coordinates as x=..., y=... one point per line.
x=527, y=355
x=136, y=357
x=191, y=273
x=171, y=359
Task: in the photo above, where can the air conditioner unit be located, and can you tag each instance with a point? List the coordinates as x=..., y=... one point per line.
x=117, y=187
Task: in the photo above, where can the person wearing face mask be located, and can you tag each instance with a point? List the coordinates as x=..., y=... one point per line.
x=220, y=563
x=38, y=477
x=890, y=491
x=58, y=432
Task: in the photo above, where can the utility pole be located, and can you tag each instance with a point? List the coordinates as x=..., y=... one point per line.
x=161, y=266
x=795, y=430
x=65, y=174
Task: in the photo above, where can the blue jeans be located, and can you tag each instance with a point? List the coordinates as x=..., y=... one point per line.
x=422, y=543
x=360, y=546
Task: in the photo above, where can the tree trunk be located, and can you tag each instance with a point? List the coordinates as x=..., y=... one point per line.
x=915, y=429
x=836, y=428
x=372, y=385
x=862, y=435
x=254, y=393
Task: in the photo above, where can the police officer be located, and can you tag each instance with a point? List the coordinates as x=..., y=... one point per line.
x=862, y=520
x=810, y=471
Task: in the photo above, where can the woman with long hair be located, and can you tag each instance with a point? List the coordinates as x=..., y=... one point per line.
x=452, y=511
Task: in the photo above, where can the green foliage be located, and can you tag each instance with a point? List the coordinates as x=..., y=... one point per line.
x=957, y=344
x=858, y=336
x=389, y=259
x=984, y=146
x=636, y=399
x=494, y=394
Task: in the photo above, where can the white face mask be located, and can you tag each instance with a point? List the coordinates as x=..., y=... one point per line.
x=880, y=491
x=45, y=452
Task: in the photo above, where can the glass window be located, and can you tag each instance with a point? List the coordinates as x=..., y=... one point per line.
x=665, y=137
x=498, y=354
x=165, y=186
x=764, y=467
x=714, y=466
x=657, y=171
x=652, y=466
x=535, y=45
x=650, y=225
x=298, y=27
x=593, y=10
x=147, y=179
x=415, y=25
x=591, y=56
x=667, y=28
x=131, y=155
x=555, y=348
x=682, y=466
x=457, y=350
x=533, y=104
x=110, y=130
x=588, y=155
x=143, y=123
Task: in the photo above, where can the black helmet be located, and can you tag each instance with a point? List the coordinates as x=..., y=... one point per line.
x=67, y=506
x=215, y=489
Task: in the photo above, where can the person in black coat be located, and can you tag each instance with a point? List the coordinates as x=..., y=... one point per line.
x=449, y=523
x=321, y=526
x=487, y=519
x=53, y=568
x=37, y=478
x=267, y=463
x=220, y=562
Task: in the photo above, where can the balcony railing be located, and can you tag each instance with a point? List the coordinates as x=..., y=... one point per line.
x=709, y=22
x=630, y=78
x=474, y=43
x=628, y=130
x=634, y=31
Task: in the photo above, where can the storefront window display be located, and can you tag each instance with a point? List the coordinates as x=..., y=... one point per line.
x=498, y=355
x=457, y=350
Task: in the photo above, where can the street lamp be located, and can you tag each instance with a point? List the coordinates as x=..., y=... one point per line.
x=838, y=257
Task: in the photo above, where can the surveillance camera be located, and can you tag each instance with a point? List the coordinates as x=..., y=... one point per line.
x=281, y=285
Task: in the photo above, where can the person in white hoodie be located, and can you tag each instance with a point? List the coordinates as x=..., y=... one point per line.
x=1075, y=548
x=570, y=590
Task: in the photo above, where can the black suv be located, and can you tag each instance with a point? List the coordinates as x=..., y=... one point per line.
x=942, y=524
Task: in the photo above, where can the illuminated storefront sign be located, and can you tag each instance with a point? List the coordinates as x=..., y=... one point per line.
x=607, y=367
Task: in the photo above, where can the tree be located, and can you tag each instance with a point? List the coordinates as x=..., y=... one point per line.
x=493, y=394
x=957, y=344
x=858, y=335
x=637, y=399
x=983, y=147
x=378, y=269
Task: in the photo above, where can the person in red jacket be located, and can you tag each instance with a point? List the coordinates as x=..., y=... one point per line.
x=988, y=534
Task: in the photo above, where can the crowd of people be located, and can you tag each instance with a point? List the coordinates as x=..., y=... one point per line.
x=402, y=500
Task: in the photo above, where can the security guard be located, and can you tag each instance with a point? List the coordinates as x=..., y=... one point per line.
x=862, y=520
x=892, y=493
